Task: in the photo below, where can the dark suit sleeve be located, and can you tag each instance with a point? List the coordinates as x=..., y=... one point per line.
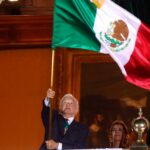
x=45, y=119
x=76, y=140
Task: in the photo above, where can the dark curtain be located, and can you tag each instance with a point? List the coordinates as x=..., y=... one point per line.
x=140, y=8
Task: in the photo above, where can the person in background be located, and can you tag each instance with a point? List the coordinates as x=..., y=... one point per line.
x=98, y=133
x=118, y=135
x=66, y=132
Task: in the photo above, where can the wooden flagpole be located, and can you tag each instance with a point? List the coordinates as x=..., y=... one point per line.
x=52, y=82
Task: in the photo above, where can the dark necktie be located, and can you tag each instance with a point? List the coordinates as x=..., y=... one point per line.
x=66, y=126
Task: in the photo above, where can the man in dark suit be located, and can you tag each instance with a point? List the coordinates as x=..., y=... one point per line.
x=66, y=132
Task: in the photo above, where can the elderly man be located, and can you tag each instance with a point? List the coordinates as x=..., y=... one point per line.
x=66, y=132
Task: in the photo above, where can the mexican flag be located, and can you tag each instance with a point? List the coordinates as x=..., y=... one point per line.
x=103, y=26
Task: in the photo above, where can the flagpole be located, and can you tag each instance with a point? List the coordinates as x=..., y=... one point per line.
x=52, y=82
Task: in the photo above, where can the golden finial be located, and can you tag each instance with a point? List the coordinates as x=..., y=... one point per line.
x=98, y=3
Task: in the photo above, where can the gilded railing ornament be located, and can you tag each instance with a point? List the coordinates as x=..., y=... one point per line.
x=139, y=125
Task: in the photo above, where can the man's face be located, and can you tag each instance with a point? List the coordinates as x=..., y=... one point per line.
x=69, y=107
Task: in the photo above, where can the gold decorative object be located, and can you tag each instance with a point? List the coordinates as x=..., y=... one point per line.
x=139, y=125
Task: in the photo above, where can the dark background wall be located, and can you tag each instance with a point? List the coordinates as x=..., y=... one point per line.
x=104, y=91
x=139, y=8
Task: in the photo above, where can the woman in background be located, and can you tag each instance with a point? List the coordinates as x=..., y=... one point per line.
x=118, y=135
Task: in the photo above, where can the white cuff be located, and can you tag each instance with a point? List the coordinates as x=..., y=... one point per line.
x=59, y=146
x=46, y=102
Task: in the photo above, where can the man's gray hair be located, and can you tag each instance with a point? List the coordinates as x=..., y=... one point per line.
x=69, y=96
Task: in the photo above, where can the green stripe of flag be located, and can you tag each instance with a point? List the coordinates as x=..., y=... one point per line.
x=70, y=29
